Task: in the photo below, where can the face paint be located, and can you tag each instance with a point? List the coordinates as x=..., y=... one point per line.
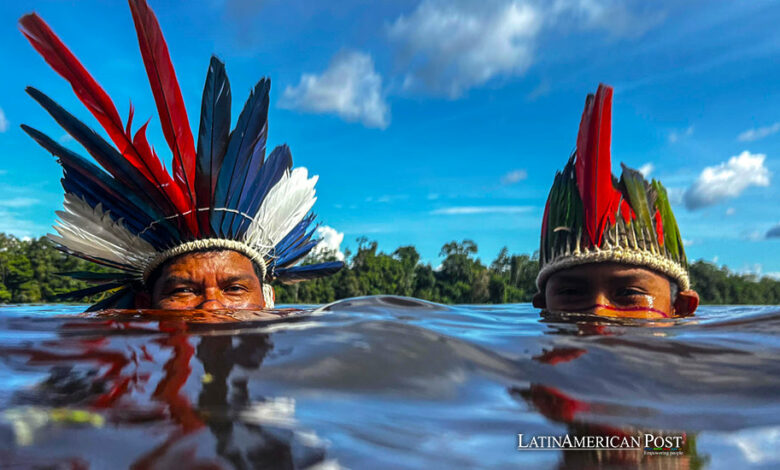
x=628, y=312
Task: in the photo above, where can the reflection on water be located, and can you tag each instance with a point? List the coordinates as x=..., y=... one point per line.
x=384, y=382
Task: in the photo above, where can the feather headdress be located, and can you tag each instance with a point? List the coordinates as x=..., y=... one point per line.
x=130, y=214
x=592, y=217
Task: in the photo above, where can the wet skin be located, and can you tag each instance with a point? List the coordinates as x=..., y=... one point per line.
x=614, y=290
x=207, y=281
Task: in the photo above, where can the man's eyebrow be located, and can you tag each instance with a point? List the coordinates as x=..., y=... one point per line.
x=177, y=280
x=236, y=278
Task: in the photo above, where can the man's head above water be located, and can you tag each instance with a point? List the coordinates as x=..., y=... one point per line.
x=208, y=280
x=610, y=246
x=615, y=290
x=196, y=237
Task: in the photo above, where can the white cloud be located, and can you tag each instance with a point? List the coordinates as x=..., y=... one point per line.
x=17, y=202
x=451, y=46
x=731, y=211
x=758, y=133
x=613, y=16
x=388, y=198
x=514, y=176
x=454, y=45
x=647, y=169
x=727, y=180
x=350, y=88
x=468, y=210
x=330, y=242
x=676, y=135
x=3, y=121
x=752, y=235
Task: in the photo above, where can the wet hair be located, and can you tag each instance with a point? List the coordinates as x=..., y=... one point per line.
x=674, y=289
x=155, y=275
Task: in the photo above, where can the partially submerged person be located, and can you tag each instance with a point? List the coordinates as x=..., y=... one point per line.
x=610, y=247
x=213, y=234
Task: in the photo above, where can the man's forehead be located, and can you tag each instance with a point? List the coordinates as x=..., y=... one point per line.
x=224, y=262
x=605, y=271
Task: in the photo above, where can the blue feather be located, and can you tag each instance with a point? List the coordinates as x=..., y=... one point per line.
x=108, y=157
x=87, y=180
x=295, y=234
x=310, y=271
x=213, y=138
x=244, y=155
x=296, y=254
x=270, y=173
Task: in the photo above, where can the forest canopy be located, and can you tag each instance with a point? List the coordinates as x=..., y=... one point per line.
x=31, y=271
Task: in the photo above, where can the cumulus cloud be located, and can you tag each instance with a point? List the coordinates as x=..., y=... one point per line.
x=676, y=135
x=3, y=121
x=727, y=180
x=514, y=176
x=614, y=16
x=330, y=242
x=350, y=87
x=468, y=210
x=758, y=133
x=647, y=169
x=453, y=45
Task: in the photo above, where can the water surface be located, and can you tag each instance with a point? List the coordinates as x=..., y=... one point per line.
x=384, y=382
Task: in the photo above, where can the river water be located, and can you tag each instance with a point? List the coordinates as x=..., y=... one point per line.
x=385, y=382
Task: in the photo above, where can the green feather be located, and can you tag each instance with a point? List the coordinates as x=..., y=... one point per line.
x=637, y=189
x=672, y=238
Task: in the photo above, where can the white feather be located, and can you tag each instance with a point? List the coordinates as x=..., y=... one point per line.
x=91, y=231
x=285, y=205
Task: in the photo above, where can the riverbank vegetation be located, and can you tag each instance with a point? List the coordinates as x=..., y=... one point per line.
x=30, y=271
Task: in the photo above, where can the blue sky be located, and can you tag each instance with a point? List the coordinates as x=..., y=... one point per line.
x=430, y=121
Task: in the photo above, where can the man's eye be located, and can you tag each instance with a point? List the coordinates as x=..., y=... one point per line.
x=181, y=290
x=630, y=292
x=235, y=288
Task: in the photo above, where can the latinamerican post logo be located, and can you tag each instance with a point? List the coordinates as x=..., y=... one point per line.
x=651, y=444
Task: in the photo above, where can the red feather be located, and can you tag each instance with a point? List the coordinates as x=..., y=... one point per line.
x=167, y=96
x=136, y=150
x=659, y=227
x=626, y=211
x=97, y=101
x=599, y=197
x=65, y=63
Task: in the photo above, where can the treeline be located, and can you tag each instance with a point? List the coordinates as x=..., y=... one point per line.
x=463, y=279
x=30, y=272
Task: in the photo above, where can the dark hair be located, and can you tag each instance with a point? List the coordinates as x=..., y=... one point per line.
x=155, y=275
x=674, y=289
